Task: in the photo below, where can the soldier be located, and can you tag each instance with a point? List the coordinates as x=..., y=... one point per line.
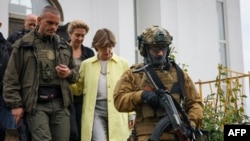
x=134, y=91
x=37, y=79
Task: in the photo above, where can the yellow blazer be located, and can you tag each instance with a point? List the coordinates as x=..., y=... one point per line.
x=88, y=85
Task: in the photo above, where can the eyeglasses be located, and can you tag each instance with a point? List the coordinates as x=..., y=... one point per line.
x=158, y=48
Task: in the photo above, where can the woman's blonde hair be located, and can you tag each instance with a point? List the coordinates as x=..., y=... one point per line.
x=77, y=24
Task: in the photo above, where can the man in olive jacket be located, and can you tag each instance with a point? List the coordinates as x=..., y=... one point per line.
x=37, y=79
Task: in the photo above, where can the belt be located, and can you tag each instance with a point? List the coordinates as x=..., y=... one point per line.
x=46, y=93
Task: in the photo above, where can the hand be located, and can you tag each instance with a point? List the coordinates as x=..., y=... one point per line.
x=150, y=98
x=63, y=71
x=131, y=124
x=160, y=91
x=192, y=133
x=18, y=114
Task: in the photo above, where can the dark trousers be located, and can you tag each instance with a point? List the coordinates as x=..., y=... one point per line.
x=7, y=122
x=3, y=124
x=76, y=117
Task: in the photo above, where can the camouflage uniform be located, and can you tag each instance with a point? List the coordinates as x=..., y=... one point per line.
x=127, y=98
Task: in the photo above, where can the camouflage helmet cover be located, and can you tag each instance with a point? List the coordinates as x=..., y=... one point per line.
x=153, y=35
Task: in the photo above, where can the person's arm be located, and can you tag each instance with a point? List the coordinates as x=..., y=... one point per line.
x=66, y=67
x=126, y=93
x=11, y=85
x=77, y=88
x=18, y=114
x=11, y=81
x=74, y=74
x=194, y=106
x=131, y=118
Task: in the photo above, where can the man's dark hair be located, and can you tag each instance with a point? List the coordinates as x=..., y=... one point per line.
x=49, y=9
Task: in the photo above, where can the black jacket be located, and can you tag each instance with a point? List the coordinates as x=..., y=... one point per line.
x=5, y=50
x=86, y=52
x=17, y=35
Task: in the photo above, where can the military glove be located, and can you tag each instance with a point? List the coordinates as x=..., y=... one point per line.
x=150, y=98
x=160, y=92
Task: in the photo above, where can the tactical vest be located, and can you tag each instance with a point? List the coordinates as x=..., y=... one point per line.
x=169, y=79
x=146, y=117
x=47, y=63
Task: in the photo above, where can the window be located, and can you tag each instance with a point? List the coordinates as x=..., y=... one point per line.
x=222, y=33
x=19, y=8
x=24, y=7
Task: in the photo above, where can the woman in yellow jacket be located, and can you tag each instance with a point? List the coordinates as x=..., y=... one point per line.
x=98, y=77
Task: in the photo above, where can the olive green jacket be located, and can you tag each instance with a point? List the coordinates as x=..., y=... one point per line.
x=21, y=80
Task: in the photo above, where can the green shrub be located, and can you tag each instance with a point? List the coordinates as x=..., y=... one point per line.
x=224, y=107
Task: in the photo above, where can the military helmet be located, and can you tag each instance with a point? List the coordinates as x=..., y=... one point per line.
x=153, y=35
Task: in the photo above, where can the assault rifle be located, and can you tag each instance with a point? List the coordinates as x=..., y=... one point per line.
x=171, y=115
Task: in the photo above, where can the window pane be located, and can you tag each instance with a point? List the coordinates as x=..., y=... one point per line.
x=15, y=7
x=26, y=3
x=223, y=54
x=14, y=1
x=220, y=13
x=24, y=7
x=37, y=5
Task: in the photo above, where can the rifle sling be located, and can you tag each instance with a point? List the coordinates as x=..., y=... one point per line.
x=181, y=81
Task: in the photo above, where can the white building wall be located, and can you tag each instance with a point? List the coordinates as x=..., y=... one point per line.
x=193, y=24
x=118, y=16
x=126, y=36
x=234, y=35
x=4, y=17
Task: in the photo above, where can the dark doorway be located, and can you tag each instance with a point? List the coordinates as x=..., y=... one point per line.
x=15, y=24
x=62, y=31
